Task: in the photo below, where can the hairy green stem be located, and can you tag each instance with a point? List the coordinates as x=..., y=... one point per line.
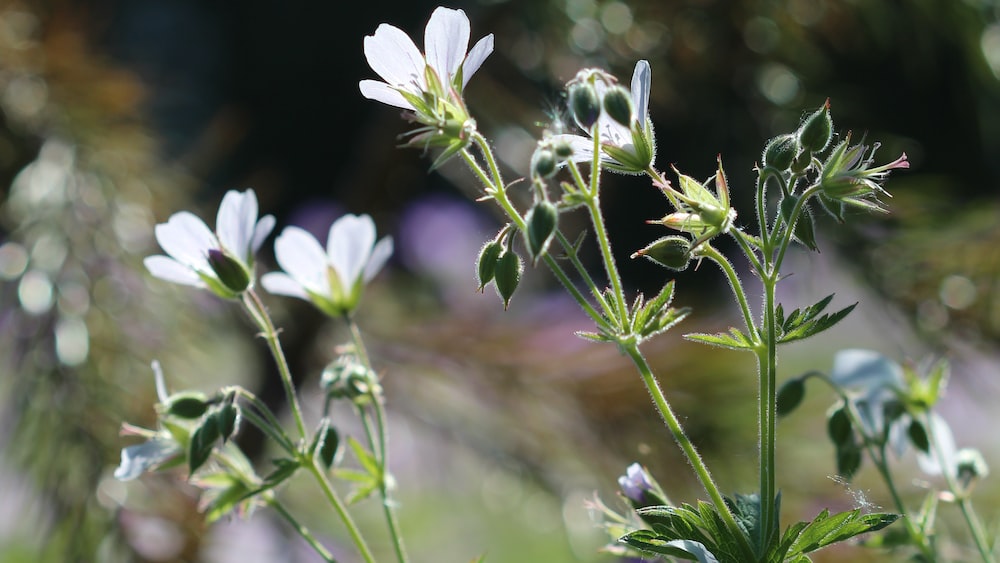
x=302, y=531
x=767, y=370
x=257, y=310
x=379, y=442
x=708, y=251
x=340, y=508
x=701, y=470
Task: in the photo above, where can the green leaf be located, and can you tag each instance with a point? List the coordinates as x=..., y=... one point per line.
x=223, y=500
x=735, y=340
x=790, y=396
x=808, y=322
x=825, y=529
x=651, y=542
x=202, y=442
x=284, y=469
x=594, y=336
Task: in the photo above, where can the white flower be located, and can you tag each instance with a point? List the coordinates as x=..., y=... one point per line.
x=625, y=148
x=332, y=279
x=222, y=260
x=394, y=57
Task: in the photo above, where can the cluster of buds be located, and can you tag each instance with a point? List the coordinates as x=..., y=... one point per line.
x=617, y=117
x=699, y=212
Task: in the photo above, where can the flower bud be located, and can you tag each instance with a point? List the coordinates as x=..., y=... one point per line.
x=970, y=466
x=508, y=275
x=562, y=149
x=486, y=265
x=543, y=163
x=542, y=220
x=231, y=273
x=190, y=405
x=618, y=105
x=584, y=104
x=817, y=130
x=780, y=152
x=672, y=252
x=790, y=396
x=327, y=444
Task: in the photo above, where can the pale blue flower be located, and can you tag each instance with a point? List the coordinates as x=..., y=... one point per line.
x=403, y=68
x=331, y=279
x=635, y=483
x=222, y=260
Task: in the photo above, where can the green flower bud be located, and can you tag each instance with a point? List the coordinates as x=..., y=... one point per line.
x=584, y=104
x=328, y=443
x=190, y=405
x=227, y=416
x=202, y=441
x=542, y=220
x=816, y=131
x=231, y=273
x=562, y=149
x=838, y=426
x=487, y=262
x=618, y=105
x=780, y=152
x=508, y=275
x=672, y=252
x=543, y=163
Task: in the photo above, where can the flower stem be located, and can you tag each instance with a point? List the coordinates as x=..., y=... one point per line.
x=700, y=469
x=341, y=509
x=767, y=366
x=303, y=532
x=379, y=445
x=259, y=313
x=708, y=251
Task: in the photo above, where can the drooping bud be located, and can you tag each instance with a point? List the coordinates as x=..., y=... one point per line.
x=618, y=105
x=231, y=273
x=672, y=252
x=790, y=396
x=780, y=152
x=487, y=262
x=543, y=163
x=816, y=131
x=584, y=104
x=508, y=275
x=542, y=220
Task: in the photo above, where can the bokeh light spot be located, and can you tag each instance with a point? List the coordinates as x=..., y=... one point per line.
x=13, y=261
x=616, y=17
x=957, y=292
x=778, y=83
x=587, y=35
x=35, y=292
x=761, y=34
x=72, y=341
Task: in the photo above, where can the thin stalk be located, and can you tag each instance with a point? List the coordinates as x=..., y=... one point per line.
x=302, y=531
x=259, y=313
x=593, y=206
x=767, y=369
x=700, y=469
x=497, y=191
x=964, y=504
x=341, y=509
x=708, y=251
x=379, y=443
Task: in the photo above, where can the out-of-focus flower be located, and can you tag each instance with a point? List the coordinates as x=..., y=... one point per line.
x=221, y=261
x=635, y=483
x=394, y=57
x=628, y=148
x=331, y=279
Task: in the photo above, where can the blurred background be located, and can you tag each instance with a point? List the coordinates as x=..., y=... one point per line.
x=114, y=114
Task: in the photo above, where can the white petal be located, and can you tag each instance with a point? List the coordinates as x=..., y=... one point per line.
x=477, y=55
x=446, y=39
x=583, y=147
x=282, y=284
x=382, y=92
x=236, y=220
x=260, y=233
x=381, y=253
x=349, y=245
x=301, y=257
x=640, y=90
x=393, y=56
x=187, y=239
x=172, y=271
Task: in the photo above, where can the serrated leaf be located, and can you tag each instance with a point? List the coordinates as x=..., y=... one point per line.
x=650, y=542
x=284, y=469
x=734, y=340
x=825, y=529
x=593, y=336
x=807, y=322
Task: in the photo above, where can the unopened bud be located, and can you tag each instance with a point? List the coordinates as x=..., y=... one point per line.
x=780, y=152
x=508, y=275
x=584, y=104
x=543, y=163
x=672, y=252
x=618, y=105
x=487, y=263
x=817, y=130
x=542, y=220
